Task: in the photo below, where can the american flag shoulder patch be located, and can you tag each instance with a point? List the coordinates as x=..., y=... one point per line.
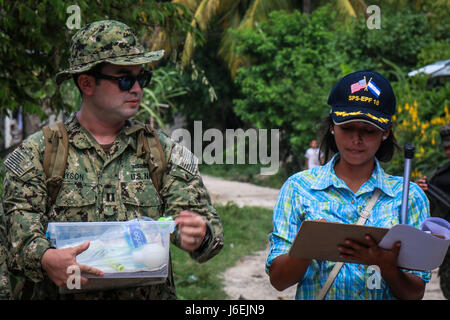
x=18, y=163
x=185, y=159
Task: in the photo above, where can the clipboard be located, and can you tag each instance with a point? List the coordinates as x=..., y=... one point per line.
x=319, y=240
x=420, y=249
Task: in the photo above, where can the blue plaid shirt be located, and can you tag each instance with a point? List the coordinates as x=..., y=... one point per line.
x=318, y=193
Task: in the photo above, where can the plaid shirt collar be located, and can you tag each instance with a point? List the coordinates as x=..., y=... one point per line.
x=326, y=177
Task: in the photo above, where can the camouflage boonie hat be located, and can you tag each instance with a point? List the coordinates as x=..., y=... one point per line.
x=445, y=135
x=105, y=41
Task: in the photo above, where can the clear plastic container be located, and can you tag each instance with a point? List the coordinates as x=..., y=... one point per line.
x=130, y=253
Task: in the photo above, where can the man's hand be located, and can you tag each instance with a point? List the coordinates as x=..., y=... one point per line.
x=192, y=230
x=56, y=261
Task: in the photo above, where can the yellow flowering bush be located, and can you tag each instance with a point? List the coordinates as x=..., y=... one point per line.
x=409, y=128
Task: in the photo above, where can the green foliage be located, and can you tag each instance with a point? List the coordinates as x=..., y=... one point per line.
x=438, y=17
x=402, y=36
x=290, y=76
x=295, y=61
x=35, y=41
x=422, y=110
x=164, y=88
x=210, y=91
x=436, y=51
x=246, y=230
x=70, y=95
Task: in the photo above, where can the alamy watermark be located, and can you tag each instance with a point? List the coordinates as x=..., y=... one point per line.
x=373, y=282
x=231, y=148
x=74, y=20
x=74, y=279
x=374, y=20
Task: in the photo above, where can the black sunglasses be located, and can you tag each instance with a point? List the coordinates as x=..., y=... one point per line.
x=127, y=82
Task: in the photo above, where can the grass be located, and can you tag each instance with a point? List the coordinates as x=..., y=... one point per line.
x=246, y=230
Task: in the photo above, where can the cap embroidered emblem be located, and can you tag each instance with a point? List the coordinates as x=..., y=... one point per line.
x=361, y=84
x=373, y=88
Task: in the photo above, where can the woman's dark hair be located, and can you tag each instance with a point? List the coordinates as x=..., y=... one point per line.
x=328, y=145
x=95, y=69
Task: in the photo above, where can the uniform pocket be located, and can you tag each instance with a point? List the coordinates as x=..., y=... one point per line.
x=140, y=199
x=74, y=202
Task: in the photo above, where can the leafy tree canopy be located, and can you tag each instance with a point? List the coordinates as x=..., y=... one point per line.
x=35, y=41
x=293, y=67
x=296, y=59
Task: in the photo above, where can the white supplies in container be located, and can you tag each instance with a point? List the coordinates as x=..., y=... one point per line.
x=137, y=250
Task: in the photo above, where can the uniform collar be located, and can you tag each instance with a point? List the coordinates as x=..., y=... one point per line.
x=82, y=139
x=327, y=177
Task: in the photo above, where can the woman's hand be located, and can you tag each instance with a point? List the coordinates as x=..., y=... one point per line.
x=370, y=254
x=403, y=285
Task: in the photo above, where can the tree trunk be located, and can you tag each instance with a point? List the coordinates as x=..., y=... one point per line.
x=31, y=124
x=307, y=6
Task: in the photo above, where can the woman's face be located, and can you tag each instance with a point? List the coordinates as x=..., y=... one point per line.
x=358, y=141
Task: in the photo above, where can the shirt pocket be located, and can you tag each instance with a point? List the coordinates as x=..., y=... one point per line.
x=328, y=210
x=140, y=198
x=75, y=202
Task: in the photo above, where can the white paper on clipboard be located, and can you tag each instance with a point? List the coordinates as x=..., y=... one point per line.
x=420, y=250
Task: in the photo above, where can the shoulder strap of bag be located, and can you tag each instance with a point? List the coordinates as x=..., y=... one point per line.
x=57, y=149
x=363, y=216
x=149, y=146
x=156, y=160
x=55, y=158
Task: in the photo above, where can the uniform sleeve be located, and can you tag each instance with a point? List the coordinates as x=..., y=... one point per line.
x=440, y=179
x=24, y=202
x=183, y=189
x=5, y=286
x=286, y=222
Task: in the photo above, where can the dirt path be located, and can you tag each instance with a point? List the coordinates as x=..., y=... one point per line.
x=247, y=279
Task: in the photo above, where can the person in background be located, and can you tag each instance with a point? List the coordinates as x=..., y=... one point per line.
x=312, y=156
x=437, y=189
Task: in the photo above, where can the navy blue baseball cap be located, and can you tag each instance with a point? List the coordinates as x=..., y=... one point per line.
x=363, y=96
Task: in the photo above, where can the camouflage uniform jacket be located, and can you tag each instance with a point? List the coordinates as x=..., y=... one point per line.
x=441, y=179
x=100, y=187
x=5, y=288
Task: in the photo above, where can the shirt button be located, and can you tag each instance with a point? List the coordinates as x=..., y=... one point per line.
x=353, y=201
x=359, y=291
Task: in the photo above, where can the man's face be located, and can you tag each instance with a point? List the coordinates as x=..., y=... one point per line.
x=114, y=103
